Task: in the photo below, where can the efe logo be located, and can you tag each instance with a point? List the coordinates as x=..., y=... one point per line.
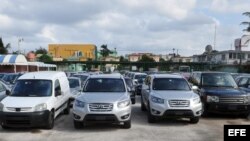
x=236, y=132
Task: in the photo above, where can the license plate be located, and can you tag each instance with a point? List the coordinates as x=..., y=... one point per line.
x=100, y=118
x=232, y=107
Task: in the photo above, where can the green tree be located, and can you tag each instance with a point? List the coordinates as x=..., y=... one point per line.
x=41, y=51
x=45, y=58
x=146, y=62
x=4, y=49
x=246, y=22
x=105, y=51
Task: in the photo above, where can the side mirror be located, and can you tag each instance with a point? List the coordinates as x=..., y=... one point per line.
x=7, y=92
x=58, y=93
x=194, y=88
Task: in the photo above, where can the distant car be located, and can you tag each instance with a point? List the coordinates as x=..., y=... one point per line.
x=75, y=87
x=83, y=77
x=169, y=95
x=244, y=83
x=10, y=78
x=131, y=88
x=104, y=99
x=2, y=75
x=138, y=79
x=220, y=94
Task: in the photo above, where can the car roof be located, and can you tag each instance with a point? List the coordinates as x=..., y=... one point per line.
x=106, y=76
x=167, y=76
x=46, y=75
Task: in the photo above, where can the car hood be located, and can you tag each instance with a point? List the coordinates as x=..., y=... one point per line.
x=223, y=91
x=102, y=97
x=10, y=101
x=175, y=94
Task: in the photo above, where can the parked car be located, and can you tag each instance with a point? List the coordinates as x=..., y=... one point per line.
x=10, y=78
x=138, y=79
x=104, y=99
x=131, y=89
x=244, y=83
x=220, y=94
x=2, y=75
x=169, y=95
x=75, y=87
x=36, y=99
x=83, y=77
x=3, y=88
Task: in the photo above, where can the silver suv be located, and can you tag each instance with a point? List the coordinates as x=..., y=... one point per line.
x=104, y=99
x=169, y=95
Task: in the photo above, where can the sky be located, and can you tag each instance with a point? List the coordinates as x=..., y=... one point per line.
x=130, y=26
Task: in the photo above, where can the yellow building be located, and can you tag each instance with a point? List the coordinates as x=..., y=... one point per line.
x=73, y=52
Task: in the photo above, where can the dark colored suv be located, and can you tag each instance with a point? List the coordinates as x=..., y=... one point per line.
x=220, y=94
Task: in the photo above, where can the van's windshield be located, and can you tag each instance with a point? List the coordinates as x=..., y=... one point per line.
x=32, y=88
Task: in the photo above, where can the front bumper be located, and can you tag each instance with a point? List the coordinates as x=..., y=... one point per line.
x=21, y=119
x=227, y=108
x=117, y=115
x=164, y=110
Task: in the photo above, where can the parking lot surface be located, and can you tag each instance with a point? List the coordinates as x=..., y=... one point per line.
x=208, y=129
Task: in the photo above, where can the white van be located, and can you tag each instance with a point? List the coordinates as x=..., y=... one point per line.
x=36, y=99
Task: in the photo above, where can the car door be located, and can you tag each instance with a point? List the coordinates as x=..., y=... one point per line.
x=58, y=96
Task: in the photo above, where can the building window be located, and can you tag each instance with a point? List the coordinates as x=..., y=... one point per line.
x=248, y=55
x=238, y=56
x=234, y=55
x=230, y=55
x=223, y=57
x=243, y=56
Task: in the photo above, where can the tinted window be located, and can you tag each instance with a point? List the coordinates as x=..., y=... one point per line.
x=73, y=83
x=82, y=77
x=2, y=88
x=218, y=80
x=104, y=85
x=170, y=84
x=129, y=82
x=32, y=88
x=243, y=81
x=140, y=76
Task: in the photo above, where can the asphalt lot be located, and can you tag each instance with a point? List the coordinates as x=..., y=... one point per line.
x=208, y=129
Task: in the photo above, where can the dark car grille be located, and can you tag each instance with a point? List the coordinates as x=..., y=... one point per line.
x=179, y=103
x=102, y=117
x=100, y=107
x=18, y=120
x=231, y=100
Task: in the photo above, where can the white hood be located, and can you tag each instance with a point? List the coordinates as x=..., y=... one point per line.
x=175, y=94
x=102, y=97
x=20, y=102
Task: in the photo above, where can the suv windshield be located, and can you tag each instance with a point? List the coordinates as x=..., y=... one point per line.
x=140, y=76
x=104, y=85
x=32, y=88
x=217, y=80
x=170, y=84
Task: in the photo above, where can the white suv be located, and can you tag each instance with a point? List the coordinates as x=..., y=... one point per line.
x=104, y=99
x=169, y=95
x=36, y=100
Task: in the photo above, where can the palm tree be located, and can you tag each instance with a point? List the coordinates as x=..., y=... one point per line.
x=246, y=22
x=4, y=49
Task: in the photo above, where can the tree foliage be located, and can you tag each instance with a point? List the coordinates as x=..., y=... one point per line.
x=4, y=49
x=41, y=51
x=45, y=58
x=146, y=62
x=105, y=51
x=246, y=22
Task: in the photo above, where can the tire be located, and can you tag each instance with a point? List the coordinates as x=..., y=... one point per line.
x=204, y=112
x=247, y=116
x=67, y=109
x=78, y=124
x=133, y=101
x=151, y=118
x=51, y=121
x=127, y=124
x=143, y=108
x=194, y=120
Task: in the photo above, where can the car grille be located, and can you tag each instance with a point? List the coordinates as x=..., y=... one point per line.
x=231, y=100
x=17, y=120
x=16, y=109
x=100, y=107
x=179, y=103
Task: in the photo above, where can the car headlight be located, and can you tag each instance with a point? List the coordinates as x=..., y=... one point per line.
x=212, y=98
x=41, y=107
x=197, y=100
x=79, y=103
x=157, y=100
x=123, y=104
x=1, y=107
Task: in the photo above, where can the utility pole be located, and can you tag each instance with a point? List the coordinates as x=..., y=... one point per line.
x=19, y=41
x=215, y=28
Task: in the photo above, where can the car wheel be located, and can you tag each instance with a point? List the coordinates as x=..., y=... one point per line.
x=143, y=108
x=194, y=120
x=204, y=112
x=127, y=124
x=133, y=101
x=50, y=121
x=67, y=109
x=151, y=118
x=78, y=124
